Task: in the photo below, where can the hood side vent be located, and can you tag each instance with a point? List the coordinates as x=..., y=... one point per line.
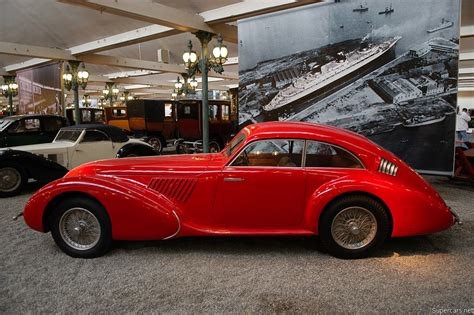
x=176, y=189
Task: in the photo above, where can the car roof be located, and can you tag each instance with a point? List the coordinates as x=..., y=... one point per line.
x=294, y=129
x=116, y=134
x=16, y=117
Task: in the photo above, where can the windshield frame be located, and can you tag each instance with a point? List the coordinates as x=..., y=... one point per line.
x=235, y=143
x=79, y=133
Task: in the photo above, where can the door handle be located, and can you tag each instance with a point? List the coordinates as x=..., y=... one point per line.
x=233, y=179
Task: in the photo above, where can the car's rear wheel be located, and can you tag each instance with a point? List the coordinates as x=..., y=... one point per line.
x=12, y=179
x=81, y=228
x=353, y=227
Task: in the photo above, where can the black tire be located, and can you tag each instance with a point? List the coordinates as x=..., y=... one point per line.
x=13, y=178
x=59, y=219
x=157, y=141
x=367, y=233
x=214, y=146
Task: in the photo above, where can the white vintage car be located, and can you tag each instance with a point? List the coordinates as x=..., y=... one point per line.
x=71, y=147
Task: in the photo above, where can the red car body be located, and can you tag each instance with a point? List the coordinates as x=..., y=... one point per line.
x=163, y=197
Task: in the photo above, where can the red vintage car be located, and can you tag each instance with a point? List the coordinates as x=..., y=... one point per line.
x=276, y=178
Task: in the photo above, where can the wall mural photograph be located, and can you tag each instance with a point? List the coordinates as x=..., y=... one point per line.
x=385, y=69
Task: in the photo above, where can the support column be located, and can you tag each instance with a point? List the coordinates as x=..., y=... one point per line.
x=77, y=112
x=10, y=104
x=204, y=38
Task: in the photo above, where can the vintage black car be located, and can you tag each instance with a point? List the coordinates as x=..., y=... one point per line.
x=29, y=129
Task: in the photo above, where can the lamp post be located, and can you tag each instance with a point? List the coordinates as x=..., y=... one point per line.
x=9, y=90
x=110, y=92
x=126, y=97
x=75, y=75
x=195, y=64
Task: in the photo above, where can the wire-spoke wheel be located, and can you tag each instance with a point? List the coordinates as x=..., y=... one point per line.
x=353, y=226
x=81, y=227
x=12, y=179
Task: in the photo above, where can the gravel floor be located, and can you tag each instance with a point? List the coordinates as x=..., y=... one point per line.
x=429, y=274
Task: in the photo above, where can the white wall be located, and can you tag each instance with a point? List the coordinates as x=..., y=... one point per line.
x=466, y=99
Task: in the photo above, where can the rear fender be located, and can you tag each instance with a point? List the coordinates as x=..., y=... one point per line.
x=385, y=191
x=136, y=213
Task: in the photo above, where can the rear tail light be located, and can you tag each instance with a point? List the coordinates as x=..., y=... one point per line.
x=387, y=167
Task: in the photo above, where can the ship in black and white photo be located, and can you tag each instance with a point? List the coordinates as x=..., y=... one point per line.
x=342, y=67
x=444, y=24
x=388, y=10
x=361, y=9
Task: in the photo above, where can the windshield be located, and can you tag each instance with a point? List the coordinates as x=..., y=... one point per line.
x=235, y=143
x=4, y=123
x=68, y=135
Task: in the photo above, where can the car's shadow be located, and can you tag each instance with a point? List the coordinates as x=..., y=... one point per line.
x=407, y=246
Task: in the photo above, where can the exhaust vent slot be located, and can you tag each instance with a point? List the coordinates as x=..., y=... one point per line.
x=387, y=167
x=176, y=189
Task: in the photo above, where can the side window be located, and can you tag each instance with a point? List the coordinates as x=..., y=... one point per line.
x=320, y=154
x=86, y=116
x=119, y=112
x=99, y=116
x=168, y=110
x=94, y=136
x=273, y=152
x=25, y=125
x=52, y=124
x=225, y=112
x=213, y=111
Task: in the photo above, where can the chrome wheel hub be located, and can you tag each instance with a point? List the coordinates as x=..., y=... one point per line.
x=79, y=228
x=354, y=228
x=10, y=179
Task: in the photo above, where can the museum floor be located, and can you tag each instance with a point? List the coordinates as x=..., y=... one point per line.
x=428, y=274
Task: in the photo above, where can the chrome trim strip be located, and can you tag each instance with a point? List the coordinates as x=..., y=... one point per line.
x=233, y=179
x=179, y=227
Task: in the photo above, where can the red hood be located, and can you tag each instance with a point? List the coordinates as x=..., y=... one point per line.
x=183, y=162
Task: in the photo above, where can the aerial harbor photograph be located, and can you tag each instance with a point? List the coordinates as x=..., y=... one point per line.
x=384, y=69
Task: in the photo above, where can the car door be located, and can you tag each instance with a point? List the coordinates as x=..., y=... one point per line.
x=264, y=186
x=94, y=145
x=50, y=127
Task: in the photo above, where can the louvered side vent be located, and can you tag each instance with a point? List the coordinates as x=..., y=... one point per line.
x=387, y=167
x=176, y=189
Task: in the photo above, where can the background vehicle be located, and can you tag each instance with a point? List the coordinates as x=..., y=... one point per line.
x=164, y=120
x=89, y=115
x=277, y=178
x=29, y=129
x=72, y=146
x=117, y=116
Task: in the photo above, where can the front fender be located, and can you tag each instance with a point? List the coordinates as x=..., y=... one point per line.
x=36, y=166
x=135, y=212
x=387, y=192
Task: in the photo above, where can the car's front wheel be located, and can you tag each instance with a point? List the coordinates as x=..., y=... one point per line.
x=12, y=179
x=81, y=227
x=353, y=227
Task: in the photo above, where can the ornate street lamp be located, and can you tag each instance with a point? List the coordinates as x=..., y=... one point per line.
x=9, y=90
x=86, y=100
x=110, y=92
x=75, y=75
x=185, y=87
x=195, y=64
x=126, y=96
x=101, y=102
